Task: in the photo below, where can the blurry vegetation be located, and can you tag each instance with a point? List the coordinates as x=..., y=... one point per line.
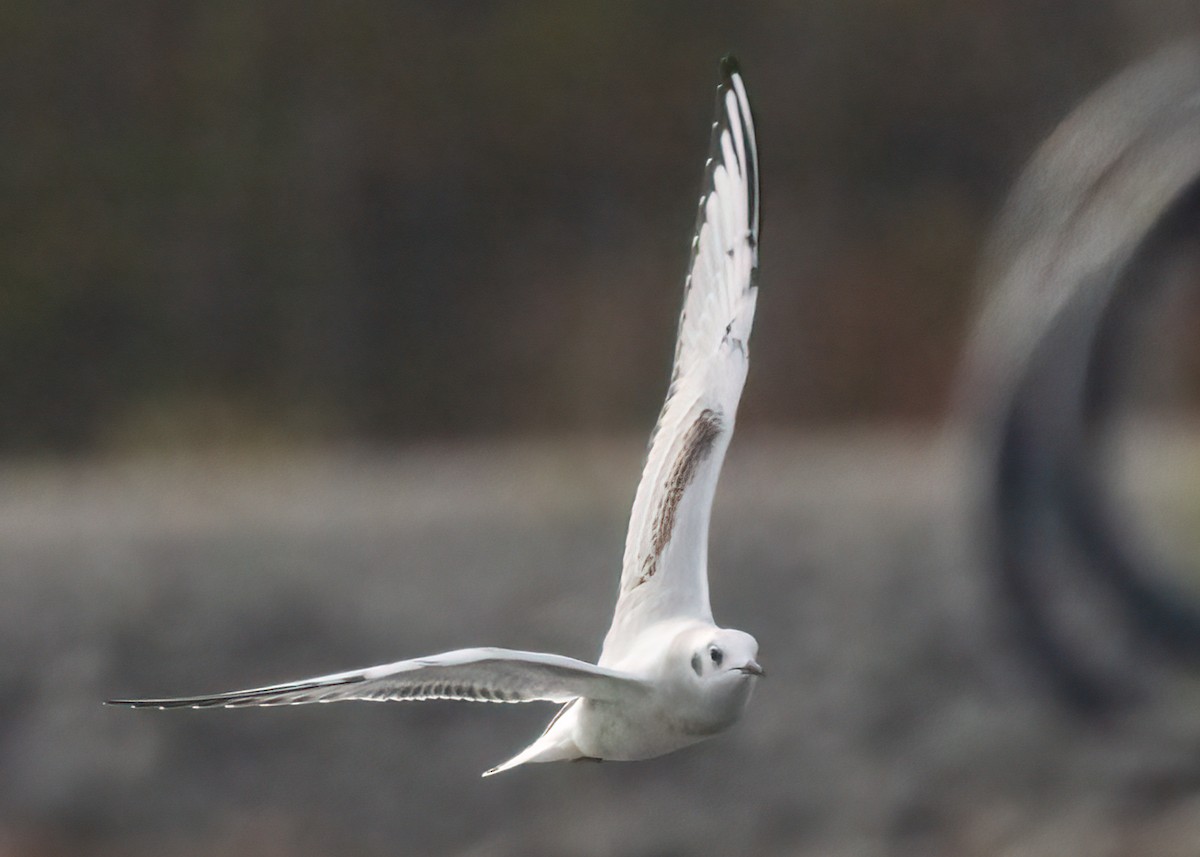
x=406, y=220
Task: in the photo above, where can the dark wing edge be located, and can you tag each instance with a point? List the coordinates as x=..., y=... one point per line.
x=738, y=119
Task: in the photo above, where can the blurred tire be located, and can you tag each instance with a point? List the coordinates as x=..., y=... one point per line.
x=1076, y=251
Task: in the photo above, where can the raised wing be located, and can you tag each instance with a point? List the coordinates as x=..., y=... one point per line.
x=665, y=570
x=477, y=675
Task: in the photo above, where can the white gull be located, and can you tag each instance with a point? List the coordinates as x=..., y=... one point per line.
x=667, y=676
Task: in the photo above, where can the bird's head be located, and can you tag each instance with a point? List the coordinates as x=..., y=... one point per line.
x=724, y=654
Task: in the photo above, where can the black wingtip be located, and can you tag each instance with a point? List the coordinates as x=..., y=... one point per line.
x=729, y=67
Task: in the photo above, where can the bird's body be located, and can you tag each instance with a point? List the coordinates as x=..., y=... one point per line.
x=667, y=676
x=671, y=709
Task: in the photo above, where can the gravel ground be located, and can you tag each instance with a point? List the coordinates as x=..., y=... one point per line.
x=896, y=718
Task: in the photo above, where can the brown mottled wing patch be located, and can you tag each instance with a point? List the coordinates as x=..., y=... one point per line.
x=697, y=445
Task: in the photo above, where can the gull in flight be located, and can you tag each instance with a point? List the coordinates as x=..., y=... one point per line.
x=667, y=676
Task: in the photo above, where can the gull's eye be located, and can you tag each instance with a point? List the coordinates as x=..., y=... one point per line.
x=717, y=655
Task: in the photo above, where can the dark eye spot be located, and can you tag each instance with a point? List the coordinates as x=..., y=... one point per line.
x=696, y=663
x=716, y=654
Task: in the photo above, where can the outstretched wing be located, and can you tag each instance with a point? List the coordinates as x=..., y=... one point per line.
x=477, y=675
x=665, y=571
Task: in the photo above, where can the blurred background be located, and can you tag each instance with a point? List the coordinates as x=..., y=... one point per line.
x=331, y=335
x=415, y=221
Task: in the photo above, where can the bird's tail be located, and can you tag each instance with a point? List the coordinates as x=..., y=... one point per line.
x=556, y=744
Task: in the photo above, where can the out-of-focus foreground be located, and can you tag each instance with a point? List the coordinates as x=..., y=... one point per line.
x=894, y=719
x=315, y=288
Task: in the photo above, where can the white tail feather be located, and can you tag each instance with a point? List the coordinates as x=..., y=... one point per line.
x=556, y=744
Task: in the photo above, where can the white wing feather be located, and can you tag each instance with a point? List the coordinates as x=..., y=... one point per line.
x=665, y=569
x=476, y=675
